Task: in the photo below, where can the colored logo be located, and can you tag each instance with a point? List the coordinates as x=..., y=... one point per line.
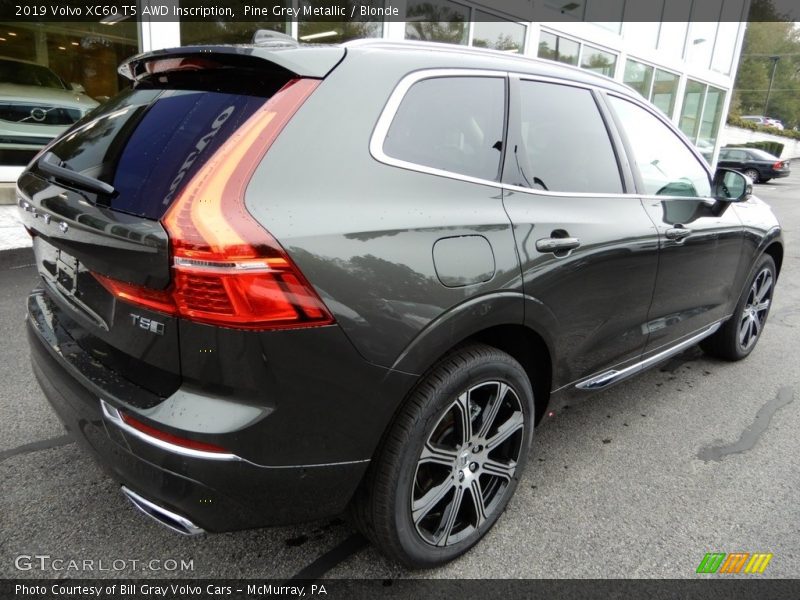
x=735, y=562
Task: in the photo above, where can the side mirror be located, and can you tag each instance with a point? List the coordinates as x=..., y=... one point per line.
x=77, y=87
x=731, y=186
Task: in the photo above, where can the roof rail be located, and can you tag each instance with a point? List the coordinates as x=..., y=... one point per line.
x=424, y=45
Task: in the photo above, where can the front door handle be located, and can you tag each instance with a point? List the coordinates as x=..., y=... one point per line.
x=677, y=233
x=557, y=244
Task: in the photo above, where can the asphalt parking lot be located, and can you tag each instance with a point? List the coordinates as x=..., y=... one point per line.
x=638, y=481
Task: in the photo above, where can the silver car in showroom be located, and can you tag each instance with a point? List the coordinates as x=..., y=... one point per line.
x=36, y=105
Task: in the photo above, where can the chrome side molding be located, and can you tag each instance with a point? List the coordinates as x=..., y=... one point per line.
x=608, y=378
x=164, y=517
x=113, y=415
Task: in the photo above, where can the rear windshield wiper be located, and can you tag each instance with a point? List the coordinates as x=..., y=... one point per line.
x=51, y=164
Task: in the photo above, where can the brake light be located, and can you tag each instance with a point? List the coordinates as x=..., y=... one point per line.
x=227, y=269
x=778, y=165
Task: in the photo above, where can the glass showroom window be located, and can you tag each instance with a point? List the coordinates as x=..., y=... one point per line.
x=229, y=32
x=639, y=76
x=709, y=124
x=599, y=61
x=489, y=31
x=665, y=91
x=700, y=115
x=56, y=72
x=555, y=47
x=335, y=32
x=440, y=22
x=692, y=108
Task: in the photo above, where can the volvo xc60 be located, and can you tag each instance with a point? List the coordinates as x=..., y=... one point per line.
x=278, y=283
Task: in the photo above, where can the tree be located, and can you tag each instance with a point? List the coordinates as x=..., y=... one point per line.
x=763, y=40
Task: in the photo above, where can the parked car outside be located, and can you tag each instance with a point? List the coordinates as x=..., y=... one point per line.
x=760, y=166
x=36, y=105
x=757, y=119
x=277, y=284
x=764, y=121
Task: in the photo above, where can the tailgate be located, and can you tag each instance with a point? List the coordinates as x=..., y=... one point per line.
x=94, y=198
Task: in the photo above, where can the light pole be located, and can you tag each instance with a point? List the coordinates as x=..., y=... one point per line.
x=774, y=60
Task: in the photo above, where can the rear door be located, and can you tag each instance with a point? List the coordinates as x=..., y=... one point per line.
x=587, y=248
x=700, y=239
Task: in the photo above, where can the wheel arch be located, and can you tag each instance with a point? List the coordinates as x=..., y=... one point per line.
x=530, y=350
x=508, y=321
x=775, y=250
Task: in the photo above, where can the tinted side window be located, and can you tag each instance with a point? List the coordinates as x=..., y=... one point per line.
x=563, y=141
x=667, y=166
x=451, y=123
x=733, y=154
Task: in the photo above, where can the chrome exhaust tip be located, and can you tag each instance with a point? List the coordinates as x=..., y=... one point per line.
x=165, y=517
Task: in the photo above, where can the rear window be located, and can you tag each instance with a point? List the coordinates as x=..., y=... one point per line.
x=148, y=143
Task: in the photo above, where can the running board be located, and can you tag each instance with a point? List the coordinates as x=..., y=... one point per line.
x=613, y=376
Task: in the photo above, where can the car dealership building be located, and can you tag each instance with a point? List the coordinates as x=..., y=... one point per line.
x=684, y=63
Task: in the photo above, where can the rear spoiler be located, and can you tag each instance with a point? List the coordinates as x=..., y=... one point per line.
x=309, y=61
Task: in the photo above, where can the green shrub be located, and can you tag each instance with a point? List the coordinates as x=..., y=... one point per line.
x=774, y=148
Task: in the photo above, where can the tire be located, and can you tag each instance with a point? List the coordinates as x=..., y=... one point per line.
x=433, y=456
x=752, y=174
x=736, y=339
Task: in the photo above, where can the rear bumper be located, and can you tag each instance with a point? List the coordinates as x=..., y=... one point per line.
x=776, y=174
x=214, y=495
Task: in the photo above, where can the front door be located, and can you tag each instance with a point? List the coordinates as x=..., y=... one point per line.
x=700, y=239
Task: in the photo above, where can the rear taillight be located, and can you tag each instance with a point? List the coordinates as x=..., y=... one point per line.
x=160, y=300
x=778, y=165
x=227, y=269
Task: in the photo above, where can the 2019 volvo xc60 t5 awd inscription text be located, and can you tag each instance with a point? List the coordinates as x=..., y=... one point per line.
x=278, y=283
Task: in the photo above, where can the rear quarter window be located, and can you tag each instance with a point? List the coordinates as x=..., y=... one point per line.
x=452, y=124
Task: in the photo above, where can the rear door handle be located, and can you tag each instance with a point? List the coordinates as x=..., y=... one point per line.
x=677, y=233
x=557, y=244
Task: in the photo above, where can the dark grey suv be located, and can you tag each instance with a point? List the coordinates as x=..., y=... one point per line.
x=279, y=283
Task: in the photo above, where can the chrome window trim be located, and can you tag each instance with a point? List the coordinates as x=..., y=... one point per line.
x=389, y=111
x=675, y=130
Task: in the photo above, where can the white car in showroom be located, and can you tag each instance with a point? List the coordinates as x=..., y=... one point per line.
x=36, y=105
